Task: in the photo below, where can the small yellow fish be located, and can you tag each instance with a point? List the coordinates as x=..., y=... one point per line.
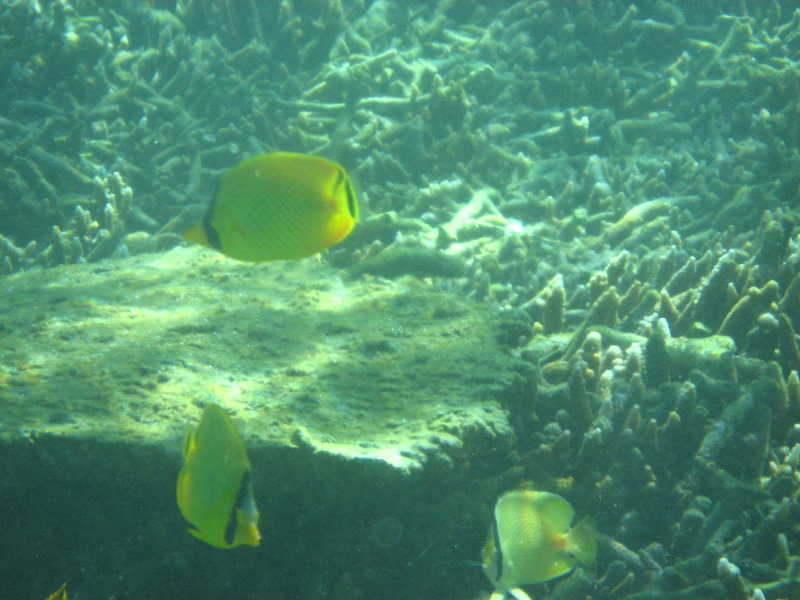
x=215, y=490
x=530, y=541
x=278, y=206
x=60, y=594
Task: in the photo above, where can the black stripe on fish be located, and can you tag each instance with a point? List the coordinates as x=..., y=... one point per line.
x=241, y=498
x=339, y=179
x=351, y=199
x=498, y=551
x=211, y=234
x=348, y=189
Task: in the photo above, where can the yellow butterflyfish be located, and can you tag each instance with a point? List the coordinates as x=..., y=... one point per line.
x=215, y=490
x=278, y=206
x=530, y=541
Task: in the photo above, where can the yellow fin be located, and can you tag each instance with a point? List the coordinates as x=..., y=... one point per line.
x=188, y=444
x=60, y=594
x=197, y=235
x=582, y=541
x=554, y=510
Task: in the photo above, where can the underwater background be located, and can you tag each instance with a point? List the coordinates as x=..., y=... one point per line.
x=577, y=268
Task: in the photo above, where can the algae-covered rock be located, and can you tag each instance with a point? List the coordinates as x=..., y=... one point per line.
x=342, y=393
x=362, y=371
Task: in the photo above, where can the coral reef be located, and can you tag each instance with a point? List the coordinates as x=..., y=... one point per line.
x=555, y=112
x=616, y=185
x=670, y=408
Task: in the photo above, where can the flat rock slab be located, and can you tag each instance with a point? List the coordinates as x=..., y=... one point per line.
x=132, y=348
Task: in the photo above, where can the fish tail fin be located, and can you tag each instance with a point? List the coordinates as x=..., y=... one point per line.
x=582, y=541
x=197, y=235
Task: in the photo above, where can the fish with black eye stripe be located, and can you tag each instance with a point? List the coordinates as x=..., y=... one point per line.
x=530, y=541
x=278, y=206
x=215, y=490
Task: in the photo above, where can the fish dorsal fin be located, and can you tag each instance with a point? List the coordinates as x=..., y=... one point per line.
x=188, y=444
x=554, y=510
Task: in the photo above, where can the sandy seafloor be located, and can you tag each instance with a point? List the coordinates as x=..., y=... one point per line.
x=577, y=269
